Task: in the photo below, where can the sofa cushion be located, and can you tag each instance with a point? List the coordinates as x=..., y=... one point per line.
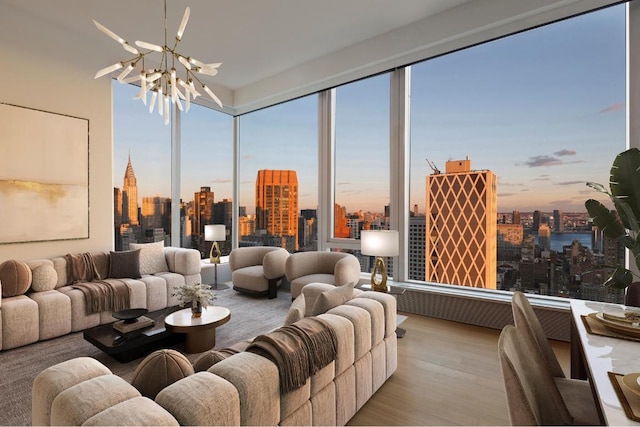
x=124, y=264
x=160, y=369
x=15, y=276
x=332, y=298
x=296, y=311
x=152, y=259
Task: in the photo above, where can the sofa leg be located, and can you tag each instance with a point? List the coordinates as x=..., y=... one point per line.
x=273, y=288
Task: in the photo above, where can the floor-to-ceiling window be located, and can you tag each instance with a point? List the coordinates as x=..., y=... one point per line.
x=504, y=136
x=206, y=178
x=279, y=176
x=361, y=160
x=142, y=171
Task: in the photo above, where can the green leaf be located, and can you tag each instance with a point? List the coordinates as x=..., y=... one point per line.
x=604, y=219
x=620, y=279
x=624, y=182
x=598, y=187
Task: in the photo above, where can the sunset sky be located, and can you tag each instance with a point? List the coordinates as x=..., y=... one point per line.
x=544, y=110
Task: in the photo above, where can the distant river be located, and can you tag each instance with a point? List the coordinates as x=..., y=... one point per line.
x=558, y=240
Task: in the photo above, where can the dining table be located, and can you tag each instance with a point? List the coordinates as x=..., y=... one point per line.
x=597, y=357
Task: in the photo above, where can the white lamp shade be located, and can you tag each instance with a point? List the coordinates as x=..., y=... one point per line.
x=379, y=243
x=214, y=232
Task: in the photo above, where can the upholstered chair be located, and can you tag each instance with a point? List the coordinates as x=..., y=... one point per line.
x=527, y=322
x=258, y=269
x=534, y=397
x=333, y=268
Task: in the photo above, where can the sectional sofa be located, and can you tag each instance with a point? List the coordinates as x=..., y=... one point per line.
x=39, y=300
x=240, y=389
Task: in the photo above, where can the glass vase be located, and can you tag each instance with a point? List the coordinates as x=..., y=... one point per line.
x=196, y=309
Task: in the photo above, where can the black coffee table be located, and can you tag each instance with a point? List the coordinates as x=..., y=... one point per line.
x=127, y=347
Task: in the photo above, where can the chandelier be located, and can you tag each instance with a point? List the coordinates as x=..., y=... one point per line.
x=167, y=84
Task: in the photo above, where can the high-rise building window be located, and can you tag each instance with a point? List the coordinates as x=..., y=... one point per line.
x=279, y=176
x=362, y=164
x=141, y=172
x=544, y=112
x=206, y=176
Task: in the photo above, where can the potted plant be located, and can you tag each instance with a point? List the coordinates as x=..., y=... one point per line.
x=622, y=224
x=197, y=294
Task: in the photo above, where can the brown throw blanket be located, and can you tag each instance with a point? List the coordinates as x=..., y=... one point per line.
x=298, y=350
x=99, y=295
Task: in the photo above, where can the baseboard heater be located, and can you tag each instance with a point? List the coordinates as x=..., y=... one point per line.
x=486, y=312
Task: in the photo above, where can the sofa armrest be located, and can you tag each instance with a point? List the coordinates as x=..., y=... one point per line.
x=273, y=263
x=246, y=257
x=183, y=260
x=347, y=271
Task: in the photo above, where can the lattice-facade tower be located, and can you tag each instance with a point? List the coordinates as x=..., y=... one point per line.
x=461, y=227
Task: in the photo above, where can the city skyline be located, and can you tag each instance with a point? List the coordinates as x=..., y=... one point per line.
x=541, y=127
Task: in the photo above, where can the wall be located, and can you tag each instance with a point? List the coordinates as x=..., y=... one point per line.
x=43, y=68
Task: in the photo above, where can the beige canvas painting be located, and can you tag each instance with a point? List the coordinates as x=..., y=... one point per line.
x=44, y=176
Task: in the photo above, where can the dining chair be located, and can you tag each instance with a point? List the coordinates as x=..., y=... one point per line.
x=534, y=397
x=529, y=325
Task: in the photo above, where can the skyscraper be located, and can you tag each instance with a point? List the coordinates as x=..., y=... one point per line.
x=461, y=207
x=202, y=210
x=544, y=237
x=515, y=217
x=130, y=196
x=558, y=224
x=537, y=216
x=277, y=205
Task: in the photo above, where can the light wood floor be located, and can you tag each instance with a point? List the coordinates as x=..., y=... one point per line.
x=448, y=374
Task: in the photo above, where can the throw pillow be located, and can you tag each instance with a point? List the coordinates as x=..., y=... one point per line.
x=44, y=278
x=124, y=264
x=15, y=276
x=296, y=311
x=160, y=369
x=152, y=259
x=332, y=298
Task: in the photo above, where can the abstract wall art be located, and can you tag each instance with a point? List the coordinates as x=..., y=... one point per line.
x=44, y=176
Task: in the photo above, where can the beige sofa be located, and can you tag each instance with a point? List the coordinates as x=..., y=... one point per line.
x=242, y=389
x=47, y=306
x=335, y=268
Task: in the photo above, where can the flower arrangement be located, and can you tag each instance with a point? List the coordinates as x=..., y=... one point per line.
x=196, y=294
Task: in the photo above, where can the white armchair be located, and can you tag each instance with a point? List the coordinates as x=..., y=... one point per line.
x=258, y=269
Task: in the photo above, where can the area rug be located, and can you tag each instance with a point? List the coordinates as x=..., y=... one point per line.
x=250, y=316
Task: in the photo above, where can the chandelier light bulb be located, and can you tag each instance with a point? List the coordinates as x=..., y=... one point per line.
x=129, y=68
x=109, y=69
x=183, y=23
x=164, y=83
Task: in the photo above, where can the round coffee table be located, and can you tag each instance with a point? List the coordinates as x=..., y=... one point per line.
x=200, y=331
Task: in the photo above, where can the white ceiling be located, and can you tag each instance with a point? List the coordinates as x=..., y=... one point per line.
x=261, y=41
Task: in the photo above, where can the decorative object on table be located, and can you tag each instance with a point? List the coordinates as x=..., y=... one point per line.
x=198, y=295
x=131, y=320
x=379, y=243
x=214, y=233
x=159, y=75
x=624, y=184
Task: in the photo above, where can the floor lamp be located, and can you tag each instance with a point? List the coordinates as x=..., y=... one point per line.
x=215, y=233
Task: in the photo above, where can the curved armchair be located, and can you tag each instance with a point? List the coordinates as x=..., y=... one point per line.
x=258, y=269
x=334, y=268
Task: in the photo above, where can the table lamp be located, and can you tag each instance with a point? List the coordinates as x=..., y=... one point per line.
x=214, y=233
x=379, y=243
